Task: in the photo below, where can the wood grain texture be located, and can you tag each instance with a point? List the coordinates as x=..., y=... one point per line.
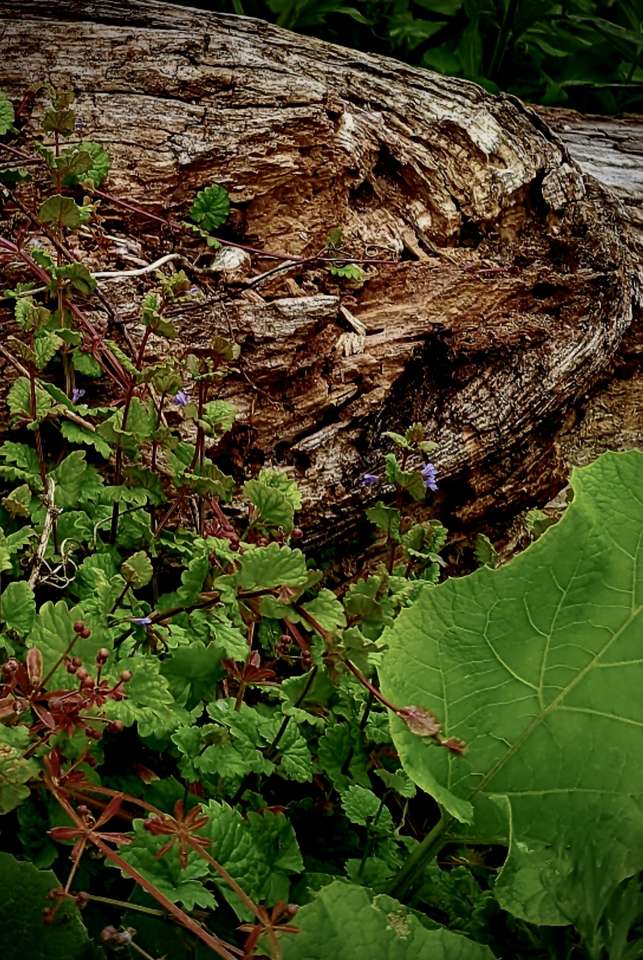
x=514, y=273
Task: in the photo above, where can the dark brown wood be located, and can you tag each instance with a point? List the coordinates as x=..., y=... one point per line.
x=512, y=280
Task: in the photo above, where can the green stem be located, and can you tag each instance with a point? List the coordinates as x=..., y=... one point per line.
x=425, y=851
x=125, y=904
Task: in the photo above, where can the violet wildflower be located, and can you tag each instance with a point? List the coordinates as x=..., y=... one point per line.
x=142, y=621
x=182, y=398
x=428, y=474
x=77, y=395
x=369, y=479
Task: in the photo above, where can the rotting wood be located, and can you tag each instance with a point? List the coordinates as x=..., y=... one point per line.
x=516, y=279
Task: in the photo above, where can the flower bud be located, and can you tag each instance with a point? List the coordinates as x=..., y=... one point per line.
x=126, y=675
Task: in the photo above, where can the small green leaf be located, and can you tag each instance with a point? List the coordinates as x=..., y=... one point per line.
x=7, y=114
x=70, y=477
x=210, y=208
x=386, y=519
x=18, y=606
x=137, y=570
x=272, y=566
x=78, y=277
x=485, y=552
x=61, y=212
x=349, y=271
x=15, y=772
x=46, y=345
x=75, y=434
x=96, y=171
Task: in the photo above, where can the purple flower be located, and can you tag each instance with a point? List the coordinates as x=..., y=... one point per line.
x=182, y=398
x=427, y=472
x=369, y=479
x=142, y=621
x=76, y=395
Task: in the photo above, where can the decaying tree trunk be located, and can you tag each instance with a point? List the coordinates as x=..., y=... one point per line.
x=507, y=277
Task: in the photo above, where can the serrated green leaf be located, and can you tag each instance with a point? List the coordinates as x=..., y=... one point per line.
x=210, y=208
x=22, y=455
x=273, y=507
x=75, y=434
x=348, y=271
x=182, y=885
x=345, y=920
x=15, y=771
x=272, y=566
x=70, y=477
x=260, y=852
x=193, y=672
x=149, y=702
x=46, y=345
x=97, y=170
x=326, y=610
x=77, y=276
x=137, y=570
x=552, y=707
x=397, y=781
x=19, y=399
x=86, y=364
x=24, y=894
x=17, y=606
x=18, y=502
x=386, y=519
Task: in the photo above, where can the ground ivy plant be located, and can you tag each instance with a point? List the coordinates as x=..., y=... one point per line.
x=207, y=750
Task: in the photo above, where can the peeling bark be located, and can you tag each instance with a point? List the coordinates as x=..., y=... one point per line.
x=512, y=274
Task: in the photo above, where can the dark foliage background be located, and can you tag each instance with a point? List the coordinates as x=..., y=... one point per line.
x=580, y=53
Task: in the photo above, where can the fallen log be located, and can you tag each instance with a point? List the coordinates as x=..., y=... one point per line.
x=500, y=281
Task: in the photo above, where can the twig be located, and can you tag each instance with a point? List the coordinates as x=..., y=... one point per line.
x=140, y=271
x=48, y=526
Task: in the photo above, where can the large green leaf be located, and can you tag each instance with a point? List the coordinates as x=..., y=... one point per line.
x=23, y=897
x=344, y=921
x=538, y=667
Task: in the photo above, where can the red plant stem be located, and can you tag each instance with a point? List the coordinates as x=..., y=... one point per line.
x=221, y=948
x=265, y=254
x=99, y=351
x=357, y=673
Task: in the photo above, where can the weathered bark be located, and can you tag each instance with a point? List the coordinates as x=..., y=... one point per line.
x=514, y=277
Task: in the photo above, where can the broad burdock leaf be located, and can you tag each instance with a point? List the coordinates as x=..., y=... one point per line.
x=210, y=208
x=537, y=666
x=23, y=896
x=345, y=920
